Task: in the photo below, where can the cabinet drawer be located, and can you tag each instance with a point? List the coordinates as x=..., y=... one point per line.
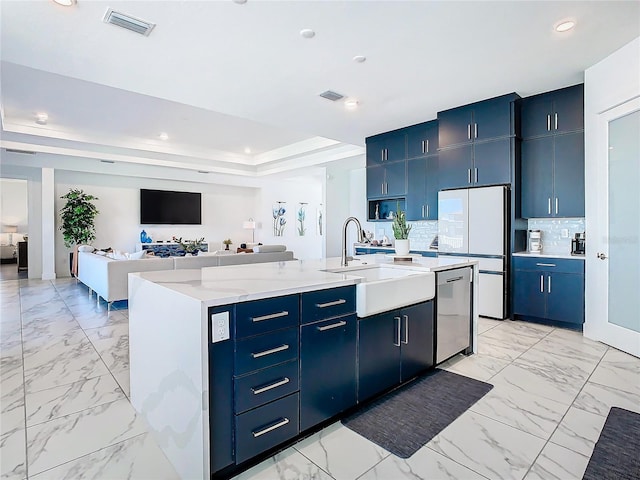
x=266, y=385
x=266, y=350
x=265, y=427
x=549, y=264
x=328, y=303
x=261, y=316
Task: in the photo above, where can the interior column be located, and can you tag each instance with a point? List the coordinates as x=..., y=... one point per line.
x=48, y=224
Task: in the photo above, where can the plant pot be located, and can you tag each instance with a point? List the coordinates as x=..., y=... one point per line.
x=402, y=247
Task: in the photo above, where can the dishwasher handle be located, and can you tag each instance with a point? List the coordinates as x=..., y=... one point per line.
x=455, y=279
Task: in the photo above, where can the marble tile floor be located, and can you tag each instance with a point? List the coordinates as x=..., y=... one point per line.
x=65, y=412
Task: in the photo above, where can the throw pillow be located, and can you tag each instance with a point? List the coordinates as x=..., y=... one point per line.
x=136, y=255
x=269, y=248
x=85, y=248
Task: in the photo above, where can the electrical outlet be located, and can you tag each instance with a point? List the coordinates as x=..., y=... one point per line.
x=220, y=327
x=564, y=233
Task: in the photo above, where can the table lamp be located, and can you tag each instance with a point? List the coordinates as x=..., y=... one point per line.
x=10, y=229
x=250, y=225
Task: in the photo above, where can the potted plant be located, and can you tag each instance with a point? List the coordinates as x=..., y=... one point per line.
x=401, y=231
x=78, y=216
x=227, y=242
x=191, y=247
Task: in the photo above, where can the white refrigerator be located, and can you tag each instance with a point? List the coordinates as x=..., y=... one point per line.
x=474, y=223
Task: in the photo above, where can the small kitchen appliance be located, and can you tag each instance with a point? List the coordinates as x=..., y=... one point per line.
x=535, y=241
x=578, y=244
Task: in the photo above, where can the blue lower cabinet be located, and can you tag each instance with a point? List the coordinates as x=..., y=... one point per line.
x=394, y=347
x=333, y=302
x=266, y=385
x=265, y=427
x=416, y=340
x=549, y=289
x=327, y=369
x=261, y=316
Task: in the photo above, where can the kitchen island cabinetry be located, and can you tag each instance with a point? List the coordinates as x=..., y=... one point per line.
x=394, y=347
x=549, y=288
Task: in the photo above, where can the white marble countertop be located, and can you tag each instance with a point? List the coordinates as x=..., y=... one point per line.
x=240, y=283
x=568, y=256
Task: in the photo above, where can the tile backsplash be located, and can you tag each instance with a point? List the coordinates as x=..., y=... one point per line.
x=422, y=233
x=551, y=228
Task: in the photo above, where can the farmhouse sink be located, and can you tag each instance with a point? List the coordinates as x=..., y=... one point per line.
x=386, y=287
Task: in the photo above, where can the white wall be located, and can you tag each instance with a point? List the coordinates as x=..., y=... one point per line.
x=292, y=191
x=13, y=208
x=224, y=208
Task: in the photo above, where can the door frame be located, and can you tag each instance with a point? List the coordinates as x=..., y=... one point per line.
x=597, y=326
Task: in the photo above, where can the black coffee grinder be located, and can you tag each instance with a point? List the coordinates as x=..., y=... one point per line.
x=578, y=244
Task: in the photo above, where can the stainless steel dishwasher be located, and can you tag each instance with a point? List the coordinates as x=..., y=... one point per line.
x=453, y=319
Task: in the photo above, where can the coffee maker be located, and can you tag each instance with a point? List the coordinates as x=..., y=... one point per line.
x=535, y=241
x=578, y=244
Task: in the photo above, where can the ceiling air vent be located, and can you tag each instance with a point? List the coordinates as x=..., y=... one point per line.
x=333, y=96
x=130, y=23
x=24, y=152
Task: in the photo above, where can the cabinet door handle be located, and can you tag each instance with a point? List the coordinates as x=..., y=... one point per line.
x=281, y=348
x=423, y=147
x=279, y=383
x=548, y=123
x=468, y=175
x=331, y=304
x=475, y=130
x=427, y=216
x=397, y=320
x=549, y=284
x=549, y=205
x=556, y=205
x=427, y=151
x=545, y=264
x=476, y=174
x=556, y=120
x=423, y=215
x=382, y=155
x=341, y=323
x=406, y=329
x=280, y=423
x=541, y=283
x=271, y=316
x=469, y=131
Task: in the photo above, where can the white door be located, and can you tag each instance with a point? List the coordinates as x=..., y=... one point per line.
x=613, y=233
x=486, y=221
x=453, y=221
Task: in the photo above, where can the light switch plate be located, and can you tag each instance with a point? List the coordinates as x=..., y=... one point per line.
x=564, y=233
x=220, y=326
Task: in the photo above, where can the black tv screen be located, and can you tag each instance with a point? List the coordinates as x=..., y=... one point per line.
x=163, y=207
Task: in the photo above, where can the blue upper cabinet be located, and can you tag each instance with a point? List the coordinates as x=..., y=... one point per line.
x=553, y=154
x=476, y=143
x=553, y=113
x=386, y=147
x=422, y=188
x=486, y=120
x=422, y=139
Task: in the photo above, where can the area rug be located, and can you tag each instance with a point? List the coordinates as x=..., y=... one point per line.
x=617, y=452
x=406, y=419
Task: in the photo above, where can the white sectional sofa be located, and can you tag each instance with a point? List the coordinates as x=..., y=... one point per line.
x=109, y=278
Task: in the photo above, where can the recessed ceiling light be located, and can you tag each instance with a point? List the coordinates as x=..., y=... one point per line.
x=307, y=33
x=565, y=26
x=65, y=3
x=41, y=118
x=247, y=150
x=359, y=59
x=240, y=2
x=351, y=104
x=163, y=136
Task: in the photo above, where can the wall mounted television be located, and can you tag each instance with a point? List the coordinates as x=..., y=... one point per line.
x=163, y=207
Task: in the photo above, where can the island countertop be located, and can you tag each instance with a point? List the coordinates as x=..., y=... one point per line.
x=215, y=286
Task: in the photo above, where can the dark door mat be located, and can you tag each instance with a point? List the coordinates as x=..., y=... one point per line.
x=406, y=419
x=616, y=455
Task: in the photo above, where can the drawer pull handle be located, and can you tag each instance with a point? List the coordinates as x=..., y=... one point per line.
x=281, y=348
x=283, y=313
x=331, y=304
x=455, y=279
x=545, y=264
x=341, y=323
x=258, y=391
x=281, y=423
